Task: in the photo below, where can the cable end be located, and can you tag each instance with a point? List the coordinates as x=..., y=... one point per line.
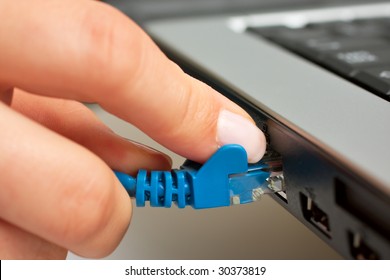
x=225, y=179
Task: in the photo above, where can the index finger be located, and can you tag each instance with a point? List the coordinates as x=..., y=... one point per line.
x=88, y=51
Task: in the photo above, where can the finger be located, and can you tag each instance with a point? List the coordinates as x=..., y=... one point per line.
x=95, y=53
x=76, y=122
x=19, y=244
x=58, y=190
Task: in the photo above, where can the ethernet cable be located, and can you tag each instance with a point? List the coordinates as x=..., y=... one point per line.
x=225, y=179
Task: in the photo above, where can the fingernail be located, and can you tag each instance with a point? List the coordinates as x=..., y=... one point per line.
x=236, y=129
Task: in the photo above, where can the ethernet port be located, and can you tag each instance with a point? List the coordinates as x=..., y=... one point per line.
x=359, y=249
x=315, y=215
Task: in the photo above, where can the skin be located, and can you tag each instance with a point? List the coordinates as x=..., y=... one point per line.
x=58, y=192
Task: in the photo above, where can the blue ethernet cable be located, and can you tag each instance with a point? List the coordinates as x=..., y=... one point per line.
x=225, y=179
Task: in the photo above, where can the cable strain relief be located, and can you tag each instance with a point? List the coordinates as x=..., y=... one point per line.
x=162, y=188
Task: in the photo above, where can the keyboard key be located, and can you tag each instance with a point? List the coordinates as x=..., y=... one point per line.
x=317, y=48
x=360, y=28
x=349, y=62
x=285, y=35
x=376, y=78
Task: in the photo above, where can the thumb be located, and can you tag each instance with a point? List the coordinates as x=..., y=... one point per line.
x=178, y=111
x=189, y=117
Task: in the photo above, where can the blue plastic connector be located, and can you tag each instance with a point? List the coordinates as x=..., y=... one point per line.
x=225, y=179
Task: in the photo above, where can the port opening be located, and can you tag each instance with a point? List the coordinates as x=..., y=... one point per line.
x=359, y=249
x=315, y=215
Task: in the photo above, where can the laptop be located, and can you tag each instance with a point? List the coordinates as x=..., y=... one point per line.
x=315, y=76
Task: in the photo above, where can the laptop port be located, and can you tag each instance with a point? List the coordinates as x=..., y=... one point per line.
x=315, y=215
x=359, y=249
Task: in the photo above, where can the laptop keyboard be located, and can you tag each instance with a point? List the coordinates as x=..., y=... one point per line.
x=357, y=50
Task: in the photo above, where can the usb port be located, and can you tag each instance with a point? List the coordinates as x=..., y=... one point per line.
x=315, y=215
x=359, y=249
